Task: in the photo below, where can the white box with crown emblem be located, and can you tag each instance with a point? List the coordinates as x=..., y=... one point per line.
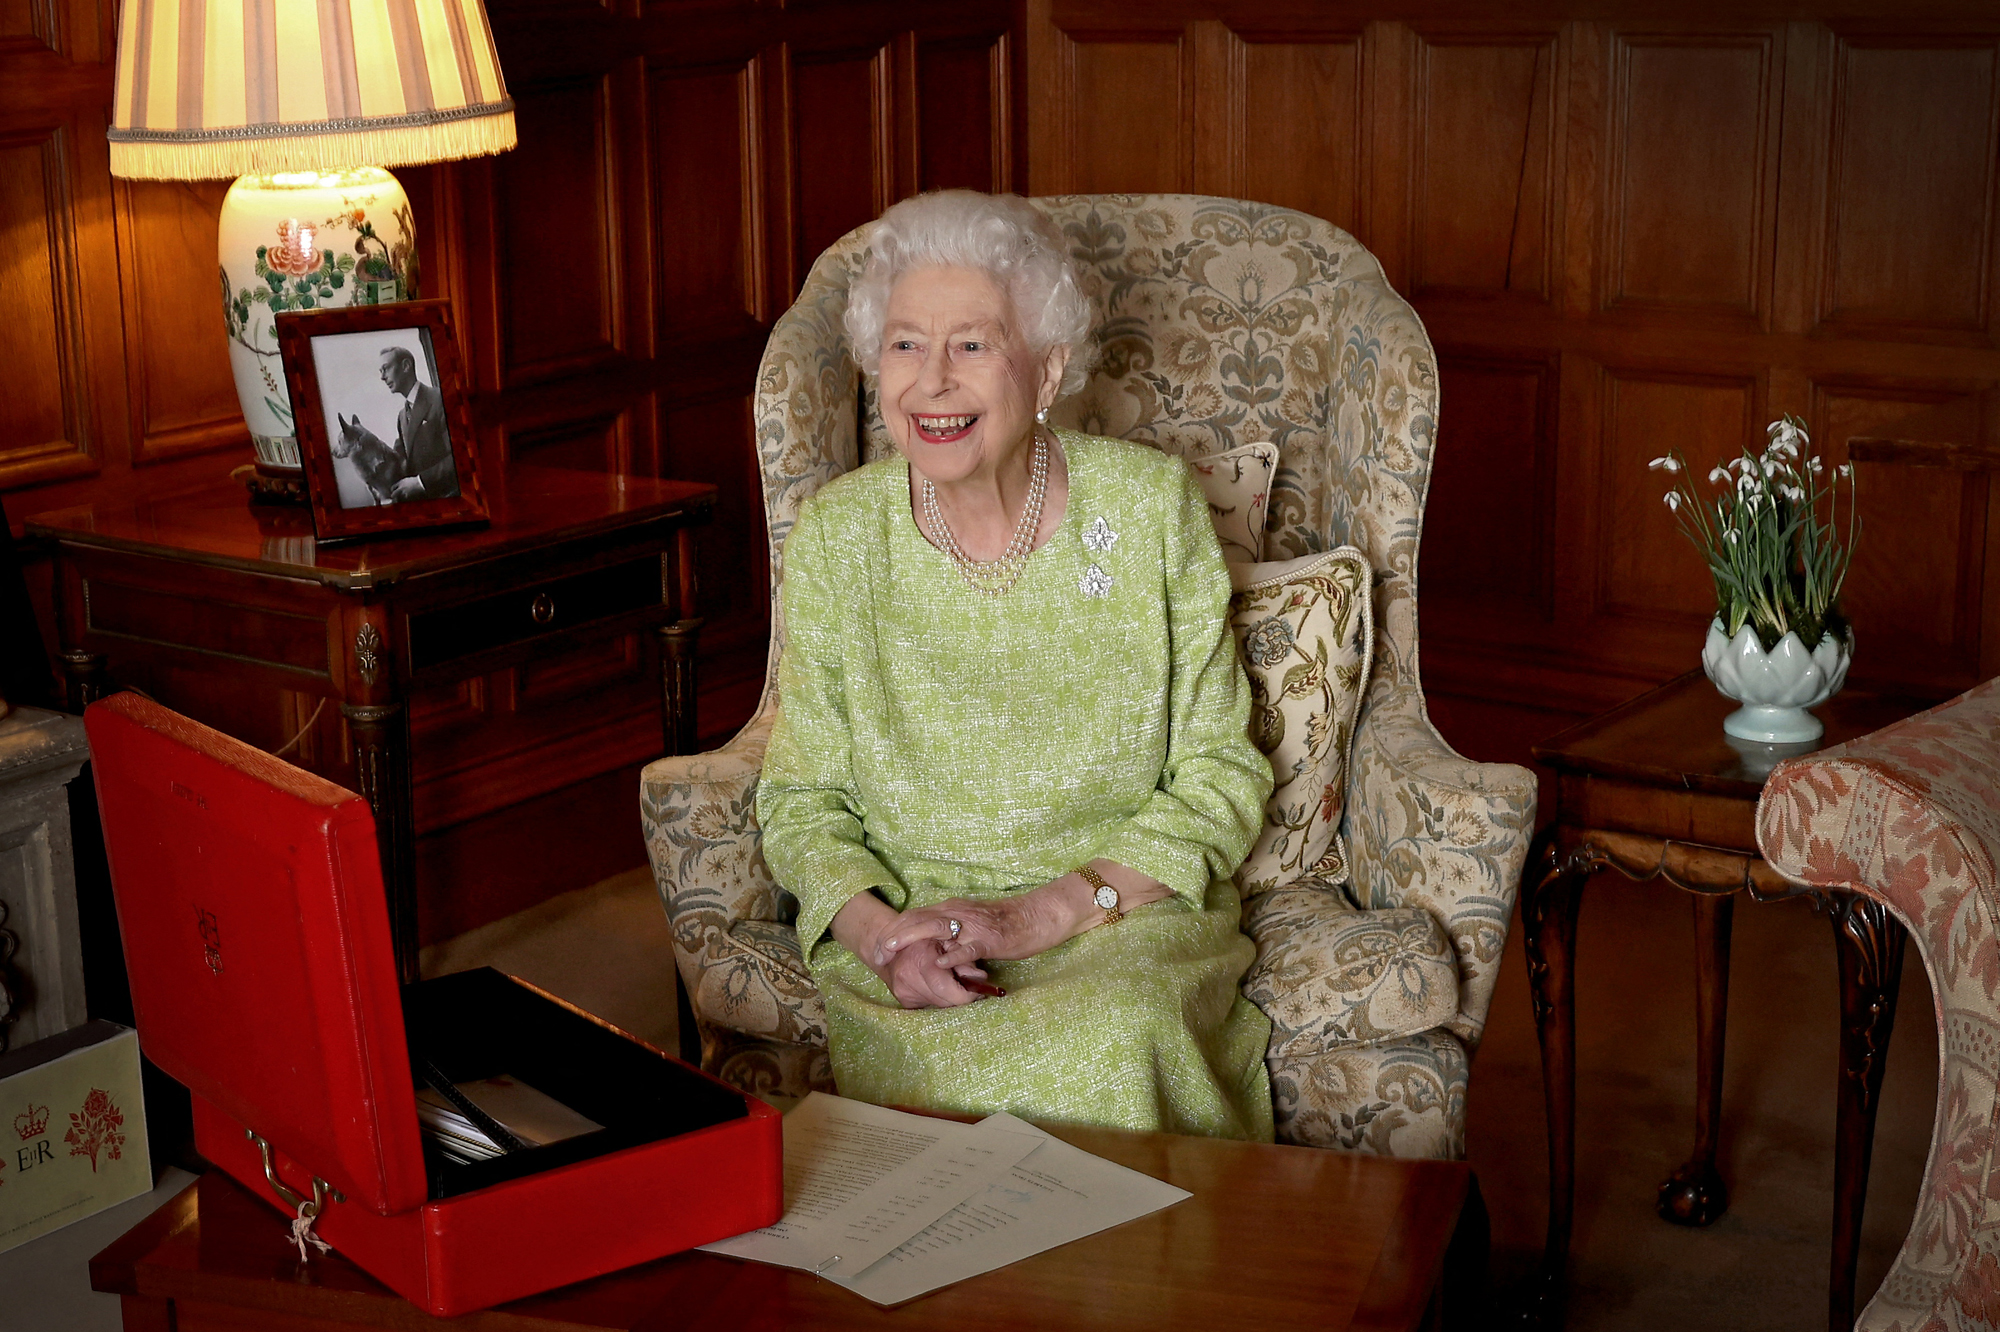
x=72, y=1130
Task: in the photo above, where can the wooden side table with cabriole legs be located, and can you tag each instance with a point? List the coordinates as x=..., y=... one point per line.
x=1656, y=791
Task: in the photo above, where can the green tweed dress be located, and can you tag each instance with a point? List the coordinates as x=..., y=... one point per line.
x=935, y=742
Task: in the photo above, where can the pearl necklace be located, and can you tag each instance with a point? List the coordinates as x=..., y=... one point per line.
x=996, y=577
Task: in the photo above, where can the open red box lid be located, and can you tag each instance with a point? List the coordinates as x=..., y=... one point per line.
x=256, y=933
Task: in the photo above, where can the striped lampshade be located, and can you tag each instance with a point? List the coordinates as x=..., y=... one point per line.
x=216, y=88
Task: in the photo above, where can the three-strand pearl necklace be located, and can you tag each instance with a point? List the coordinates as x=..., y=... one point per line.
x=995, y=577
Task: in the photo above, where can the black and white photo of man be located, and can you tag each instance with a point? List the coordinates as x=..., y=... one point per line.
x=385, y=417
x=420, y=432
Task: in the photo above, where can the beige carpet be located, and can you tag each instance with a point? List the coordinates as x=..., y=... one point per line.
x=604, y=948
x=1763, y=1266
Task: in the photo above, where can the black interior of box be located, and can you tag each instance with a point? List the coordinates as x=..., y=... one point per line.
x=482, y=1024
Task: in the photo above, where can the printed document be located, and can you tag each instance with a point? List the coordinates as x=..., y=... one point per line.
x=891, y=1205
x=859, y=1180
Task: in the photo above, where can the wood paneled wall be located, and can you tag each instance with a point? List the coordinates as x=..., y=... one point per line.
x=1627, y=230
x=679, y=170
x=614, y=279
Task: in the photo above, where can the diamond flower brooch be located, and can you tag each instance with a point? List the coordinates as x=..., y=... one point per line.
x=1098, y=538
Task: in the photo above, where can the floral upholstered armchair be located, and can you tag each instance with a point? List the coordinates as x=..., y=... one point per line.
x=1221, y=323
x=1910, y=817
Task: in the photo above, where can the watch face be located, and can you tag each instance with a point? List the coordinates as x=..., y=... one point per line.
x=1106, y=897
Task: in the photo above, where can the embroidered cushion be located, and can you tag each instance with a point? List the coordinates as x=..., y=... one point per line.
x=1306, y=633
x=1238, y=486
x=1328, y=975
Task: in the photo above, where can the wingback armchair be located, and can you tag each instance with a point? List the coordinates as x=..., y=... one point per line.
x=1221, y=323
x=1910, y=817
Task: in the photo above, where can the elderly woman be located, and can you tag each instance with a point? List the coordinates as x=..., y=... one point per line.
x=1011, y=754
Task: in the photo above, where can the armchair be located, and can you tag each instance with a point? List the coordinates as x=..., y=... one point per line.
x=1909, y=817
x=1222, y=322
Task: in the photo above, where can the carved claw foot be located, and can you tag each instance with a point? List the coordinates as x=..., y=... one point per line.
x=1694, y=1195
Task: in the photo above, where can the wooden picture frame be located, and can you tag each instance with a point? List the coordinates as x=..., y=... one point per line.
x=371, y=384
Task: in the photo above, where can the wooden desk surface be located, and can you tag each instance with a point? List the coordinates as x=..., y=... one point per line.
x=1274, y=1237
x=216, y=525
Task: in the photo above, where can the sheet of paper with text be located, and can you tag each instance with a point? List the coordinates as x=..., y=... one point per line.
x=860, y=1180
x=891, y=1205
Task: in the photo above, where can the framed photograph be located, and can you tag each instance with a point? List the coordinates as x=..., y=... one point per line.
x=378, y=401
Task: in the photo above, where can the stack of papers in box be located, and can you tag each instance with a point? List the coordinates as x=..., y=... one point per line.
x=534, y=1117
x=891, y=1205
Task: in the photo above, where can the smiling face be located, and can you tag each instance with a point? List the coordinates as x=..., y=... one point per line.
x=959, y=384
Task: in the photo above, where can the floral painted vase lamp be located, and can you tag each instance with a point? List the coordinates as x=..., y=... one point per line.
x=304, y=102
x=1778, y=545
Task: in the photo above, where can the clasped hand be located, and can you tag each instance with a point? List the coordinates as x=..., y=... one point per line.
x=925, y=966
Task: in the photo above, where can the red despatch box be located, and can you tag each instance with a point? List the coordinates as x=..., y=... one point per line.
x=257, y=936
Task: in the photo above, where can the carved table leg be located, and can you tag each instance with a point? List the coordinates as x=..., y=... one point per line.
x=83, y=677
x=382, y=768
x=1869, y=944
x=1552, y=891
x=1695, y=1195
x=677, y=697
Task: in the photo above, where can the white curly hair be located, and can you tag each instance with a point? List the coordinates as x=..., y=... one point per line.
x=1000, y=235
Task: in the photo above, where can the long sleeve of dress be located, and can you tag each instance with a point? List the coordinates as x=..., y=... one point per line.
x=1209, y=806
x=807, y=798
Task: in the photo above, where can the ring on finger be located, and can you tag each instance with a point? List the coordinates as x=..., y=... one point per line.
x=955, y=928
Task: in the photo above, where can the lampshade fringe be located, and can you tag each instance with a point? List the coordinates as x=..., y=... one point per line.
x=289, y=150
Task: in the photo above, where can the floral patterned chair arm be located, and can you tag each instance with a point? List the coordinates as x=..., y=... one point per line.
x=1429, y=828
x=732, y=925
x=1910, y=816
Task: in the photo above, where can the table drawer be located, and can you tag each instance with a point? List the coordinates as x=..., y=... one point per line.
x=538, y=610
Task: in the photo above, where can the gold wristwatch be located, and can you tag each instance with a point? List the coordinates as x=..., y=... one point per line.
x=1103, y=894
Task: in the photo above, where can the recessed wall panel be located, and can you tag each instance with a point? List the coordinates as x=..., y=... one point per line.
x=1301, y=127
x=841, y=138
x=183, y=393
x=1913, y=591
x=702, y=132
x=955, y=116
x=1692, y=189
x=1484, y=172
x=1486, y=535
x=557, y=271
x=1127, y=117
x=1646, y=566
x=35, y=281
x=1910, y=231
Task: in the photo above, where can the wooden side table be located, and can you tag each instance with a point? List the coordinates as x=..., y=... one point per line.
x=1655, y=790
x=204, y=581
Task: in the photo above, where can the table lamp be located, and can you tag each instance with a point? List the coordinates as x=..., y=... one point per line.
x=304, y=102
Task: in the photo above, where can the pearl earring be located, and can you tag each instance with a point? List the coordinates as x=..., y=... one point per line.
x=1043, y=416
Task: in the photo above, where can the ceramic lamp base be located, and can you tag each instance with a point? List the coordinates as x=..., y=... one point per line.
x=1772, y=725
x=303, y=240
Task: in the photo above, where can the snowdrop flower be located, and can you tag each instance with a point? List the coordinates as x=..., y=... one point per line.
x=1843, y=469
x=1792, y=493
x=1666, y=464
x=1672, y=499
x=1785, y=437
x=1719, y=475
x=1729, y=535
x=1815, y=466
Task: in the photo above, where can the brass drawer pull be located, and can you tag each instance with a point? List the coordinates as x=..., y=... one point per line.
x=543, y=608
